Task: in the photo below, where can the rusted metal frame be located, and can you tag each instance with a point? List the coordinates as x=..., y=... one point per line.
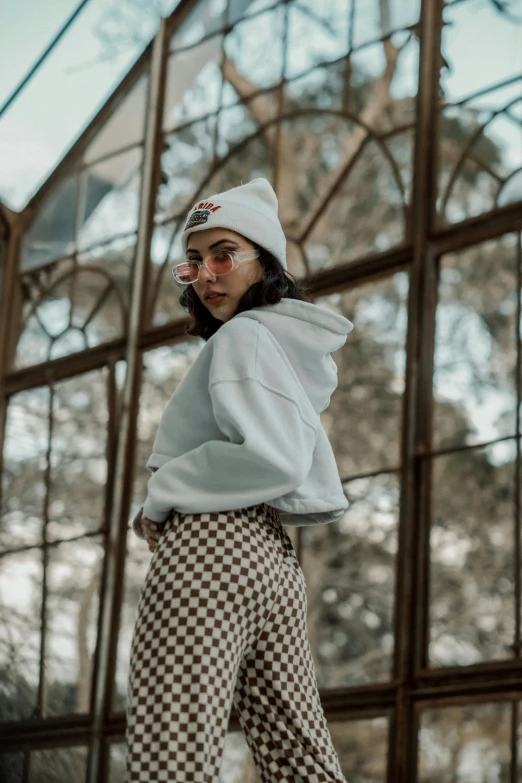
x=378, y=266
x=6, y=301
x=466, y=447
x=106, y=751
x=64, y=367
x=464, y=697
x=41, y=693
x=111, y=605
x=26, y=767
x=56, y=542
x=7, y=296
x=111, y=448
x=57, y=731
x=411, y=584
x=518, y=466
x=71, y=159
x=371, y=474
x=514, y=741
x=506, y=669
x=27, y=78
x=280, y=88
x=43, y=735
x=478, y=229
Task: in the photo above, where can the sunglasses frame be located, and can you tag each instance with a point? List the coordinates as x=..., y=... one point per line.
x=238, y=257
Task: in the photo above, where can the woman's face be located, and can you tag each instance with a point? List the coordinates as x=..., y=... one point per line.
x=201, y=245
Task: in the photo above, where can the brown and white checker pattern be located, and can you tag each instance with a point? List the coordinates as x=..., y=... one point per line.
x=222, y=621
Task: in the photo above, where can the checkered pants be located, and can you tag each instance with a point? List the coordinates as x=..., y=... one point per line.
x=222, y=621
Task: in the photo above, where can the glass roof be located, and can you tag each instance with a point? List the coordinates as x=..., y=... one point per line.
x=71, y=84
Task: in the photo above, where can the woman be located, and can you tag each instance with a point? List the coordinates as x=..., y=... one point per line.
x=240, y=452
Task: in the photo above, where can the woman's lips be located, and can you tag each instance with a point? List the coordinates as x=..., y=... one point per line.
x=217, y=299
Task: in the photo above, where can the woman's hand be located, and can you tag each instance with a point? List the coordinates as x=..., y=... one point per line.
x=152, y=531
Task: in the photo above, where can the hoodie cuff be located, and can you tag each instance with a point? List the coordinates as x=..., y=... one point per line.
x=151, y=512
x=136, y=524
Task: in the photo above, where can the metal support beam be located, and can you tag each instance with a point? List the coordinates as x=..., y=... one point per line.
x=411, y=576
x=116, y=545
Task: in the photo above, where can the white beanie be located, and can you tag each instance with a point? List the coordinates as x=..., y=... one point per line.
x=249, y=210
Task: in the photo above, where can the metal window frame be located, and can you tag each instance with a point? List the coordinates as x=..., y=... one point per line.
x=414, y=686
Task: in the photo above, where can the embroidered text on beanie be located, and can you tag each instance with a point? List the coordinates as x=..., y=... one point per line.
x=250, y=210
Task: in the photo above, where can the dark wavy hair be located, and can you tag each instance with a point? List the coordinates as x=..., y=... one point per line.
x=277, y=284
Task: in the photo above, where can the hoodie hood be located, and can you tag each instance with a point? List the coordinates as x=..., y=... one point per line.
x=308, y=333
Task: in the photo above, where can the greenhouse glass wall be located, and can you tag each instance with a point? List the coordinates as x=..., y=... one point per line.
x=391, y=131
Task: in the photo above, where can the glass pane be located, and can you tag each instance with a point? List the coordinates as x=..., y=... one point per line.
x=58, y=765
x=112, y=198
x=472, y=561
x=480, y=144
x=20, y=633
x=76, y=304
x=78, y=475
x=166, y=251
x=362, y=747
x=115, y=259
x=11, y=767
x=474, y=382
x=238, y=122
x=351, y=609
x=24, y=465
x=355, y=158
x=375, y=19
x=316, y=33
x=356, y=219
x=186, y=163
x=363, y=421
x=163, y=369
x=253, y=158
x=465, y=744
x=52, y=233
x=125, y=127
x=137, y=561
x=247, y=46
x=378, y=83
x=72, y=84
x=193, y=83
x=117, y=763
x=320, y=88
x=206, y=18
x=237, y=9
x=72, y=604
x=28, y=37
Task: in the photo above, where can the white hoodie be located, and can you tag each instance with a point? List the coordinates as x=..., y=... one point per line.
x=243, y=426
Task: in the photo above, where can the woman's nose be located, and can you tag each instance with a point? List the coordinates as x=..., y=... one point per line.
x=204, y=274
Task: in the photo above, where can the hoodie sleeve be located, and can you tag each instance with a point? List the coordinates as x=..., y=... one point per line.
x=269, y=434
